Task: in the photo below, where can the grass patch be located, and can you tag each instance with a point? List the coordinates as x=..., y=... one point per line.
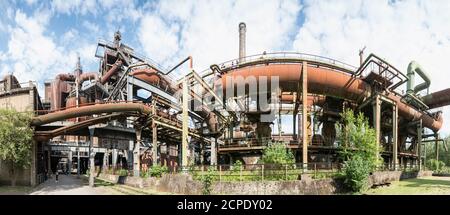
x=417, y=186
x=18, y=190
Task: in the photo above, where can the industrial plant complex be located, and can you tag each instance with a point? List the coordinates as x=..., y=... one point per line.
x=133, y=114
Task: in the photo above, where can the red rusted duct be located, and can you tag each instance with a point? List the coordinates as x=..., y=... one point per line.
x=56, y=87
x=113, y=70
x=437, y=99
x=152, y=77
x=87, y=76
x=322, y=81
x=89, y=110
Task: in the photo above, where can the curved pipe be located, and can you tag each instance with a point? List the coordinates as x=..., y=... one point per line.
x=322, y=81
x=46, y=135
x=153, y=77
x=89, y=110
x=112, y=71
x=56, y=89
x=87, y=76
x=437, y=99
x=413, y=68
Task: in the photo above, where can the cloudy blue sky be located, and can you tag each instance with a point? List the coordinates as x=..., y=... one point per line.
x=39, y=39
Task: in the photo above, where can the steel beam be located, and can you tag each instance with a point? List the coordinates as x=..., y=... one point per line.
x=185, y=129
x=305, y=114
x=419, y=143
x=154, y=143
x=136, y=153
x=376, y=122
x=394, y=135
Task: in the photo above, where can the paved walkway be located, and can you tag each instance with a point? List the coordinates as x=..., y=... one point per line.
x=68, y=185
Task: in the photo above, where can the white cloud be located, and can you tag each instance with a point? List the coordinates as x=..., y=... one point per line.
x=208, y=30
x=399, y=31
x=75, y=6
x=92, y=27
x=31, y=2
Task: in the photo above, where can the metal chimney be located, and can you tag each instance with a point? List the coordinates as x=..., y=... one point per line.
x=242, y=30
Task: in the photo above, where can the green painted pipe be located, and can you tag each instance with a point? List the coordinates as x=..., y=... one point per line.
x=413, y=68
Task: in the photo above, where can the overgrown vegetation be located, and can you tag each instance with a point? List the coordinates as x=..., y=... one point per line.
x=155, y=171
x=277, y=153
x=15, y=140
x=358, y=150
x=207, y=180
x=435, y=165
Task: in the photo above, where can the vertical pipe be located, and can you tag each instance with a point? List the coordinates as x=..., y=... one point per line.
x=305, y=114
x=213, y=159
x=376, y=122
x=242, y=31
x=394, y=135
x=136, y=153
x=184, y=139
x=91, y=158
x=155, y=143
x=419, y=143
x=436, y=137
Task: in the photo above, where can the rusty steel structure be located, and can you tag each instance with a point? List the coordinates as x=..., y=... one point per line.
x=195, y=119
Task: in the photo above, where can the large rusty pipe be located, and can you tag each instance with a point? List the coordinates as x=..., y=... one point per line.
x=153, y=77
x=89, y=110
x=113, y=70
x=437, y=99
x=87, y=76
x=322, y=81
x=56, y=89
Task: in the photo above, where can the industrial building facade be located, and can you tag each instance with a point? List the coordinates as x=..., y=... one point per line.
x=132, y=114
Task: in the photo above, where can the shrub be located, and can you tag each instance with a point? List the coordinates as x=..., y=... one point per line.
x=123, y=172
x=158, y=170
x=207, y=180
x=356, y=173
x=358, y=149
x=435, y=165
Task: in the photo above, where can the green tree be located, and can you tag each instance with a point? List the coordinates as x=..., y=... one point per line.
x=15, y=140
x=357, y=148
x=277, y=153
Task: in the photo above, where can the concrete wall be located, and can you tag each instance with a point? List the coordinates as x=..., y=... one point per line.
x=20, y=102
x=184, y=184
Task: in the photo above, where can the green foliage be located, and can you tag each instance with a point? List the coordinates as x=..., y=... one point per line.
x=122, y=172
x=356, y=172
x=277, y=153
x=15, y=139
x=356, y=137
x=435, y=165
x=358, y=149
x=207, y=180
x=158, y=170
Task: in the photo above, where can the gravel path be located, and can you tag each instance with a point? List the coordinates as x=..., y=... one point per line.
x=69, y=185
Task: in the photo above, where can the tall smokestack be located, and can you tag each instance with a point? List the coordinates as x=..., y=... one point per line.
x=242, y=30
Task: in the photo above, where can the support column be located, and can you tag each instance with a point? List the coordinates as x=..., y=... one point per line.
x=184, y=138
x=49, y=161
x=154, y=144
x=106, y=159
x=91, y=158
x=69, y=169
x=136, y=153
x=305, y=114
x=394, y=136
x=213, y=159
x=436, y=137
x=419, y=144
x=33, y=165
x=114, y=158
x=376, y=122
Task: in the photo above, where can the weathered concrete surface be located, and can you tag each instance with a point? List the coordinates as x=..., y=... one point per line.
x=298, y=187
x=172, y=183
x=385, y=177
x=184, y=184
